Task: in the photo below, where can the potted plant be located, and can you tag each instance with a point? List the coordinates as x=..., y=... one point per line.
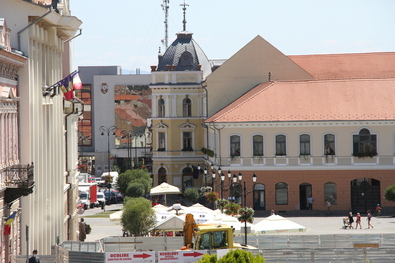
x=212, y=197
x=246, y=215
x=191, y=194
x=231, y=209
x=365, y=154
x=221, y=203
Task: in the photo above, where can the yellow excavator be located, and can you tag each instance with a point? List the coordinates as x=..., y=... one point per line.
x=209, y=236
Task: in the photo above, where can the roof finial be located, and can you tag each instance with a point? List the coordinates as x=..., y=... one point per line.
x=184, y=21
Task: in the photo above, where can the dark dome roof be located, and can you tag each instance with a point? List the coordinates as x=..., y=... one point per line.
x=185, y=54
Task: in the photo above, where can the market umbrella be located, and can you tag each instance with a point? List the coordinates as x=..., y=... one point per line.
x=164, y=189
x=277, y=224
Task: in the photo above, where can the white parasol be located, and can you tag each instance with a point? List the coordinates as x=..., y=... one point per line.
x=163, y=189
x=277, y=224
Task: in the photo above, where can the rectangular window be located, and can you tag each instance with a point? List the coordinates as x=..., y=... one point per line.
x=234, y=146
x=304, y=144
x=162, y=141
x=329, y=142
x=187, y=141
x=257, y=141
x=281, y=149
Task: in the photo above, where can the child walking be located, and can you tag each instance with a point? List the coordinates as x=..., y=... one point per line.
x=358, y=222
x=369, y=219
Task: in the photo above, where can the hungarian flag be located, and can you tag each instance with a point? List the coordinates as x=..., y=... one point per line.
x=8, y=222
x=69, y=84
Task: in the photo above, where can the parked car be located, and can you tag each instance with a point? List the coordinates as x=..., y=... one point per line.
x=119, y=196
x=110, y=196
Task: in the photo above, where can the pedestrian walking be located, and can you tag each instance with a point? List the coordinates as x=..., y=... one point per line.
x=82, y=230
x=358, y=222
x=34, y=258
x=310, y=201
x=328, y=205
x=369, y=218
x=350, y=220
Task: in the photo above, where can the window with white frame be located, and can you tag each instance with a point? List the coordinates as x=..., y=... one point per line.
x=187, y=141
x=186, y=107
x=234, y=145
x=364, y=144
x=329, y=144
x=281, y=147
x=304, y=144
x=161, y=141
x=257, y=145
x=161, y=107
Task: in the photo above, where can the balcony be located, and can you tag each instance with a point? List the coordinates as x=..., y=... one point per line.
x=18, y=180
x=301, y=162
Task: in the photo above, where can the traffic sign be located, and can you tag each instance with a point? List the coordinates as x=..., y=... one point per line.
x=130, y=257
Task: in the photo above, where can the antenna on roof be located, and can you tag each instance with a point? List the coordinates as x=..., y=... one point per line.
x=165, y=7
x=184, y=22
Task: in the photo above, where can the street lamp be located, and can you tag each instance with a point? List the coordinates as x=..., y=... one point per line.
x=108, y=131
x=129, y=146
x=245, y=193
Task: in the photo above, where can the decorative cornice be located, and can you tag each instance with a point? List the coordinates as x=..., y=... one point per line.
x=8, y=70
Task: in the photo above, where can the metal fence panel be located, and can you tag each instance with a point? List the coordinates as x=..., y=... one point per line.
x=304, y=241
x=335, y=241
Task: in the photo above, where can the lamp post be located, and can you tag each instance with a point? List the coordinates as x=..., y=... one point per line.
x=128, y=135
x=108, y=131
x=245, y=193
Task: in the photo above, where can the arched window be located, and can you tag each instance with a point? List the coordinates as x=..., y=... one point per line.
x=364, y=144
x=257, y=145
x=234, y=145
x=187, y=178
x=186, y=107
x=236, y=193
x=161, y=107
x=330, y=193
x=304, y=143
x=281, y=194
x=329, y=144
x=281, y=147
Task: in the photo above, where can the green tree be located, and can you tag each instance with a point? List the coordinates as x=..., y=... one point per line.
x=191, y=194
x=135, y=176
x=389, y=193
x=138, y=217
x=233, y=256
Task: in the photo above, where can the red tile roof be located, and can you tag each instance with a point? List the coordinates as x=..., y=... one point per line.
x=317, y=100
x=348, y=66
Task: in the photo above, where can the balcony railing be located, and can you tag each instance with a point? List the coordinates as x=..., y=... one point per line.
x=303, y=161
x=19, y=181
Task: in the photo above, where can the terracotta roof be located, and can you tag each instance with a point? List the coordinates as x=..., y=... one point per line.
x=317, y=100
x=342, y=66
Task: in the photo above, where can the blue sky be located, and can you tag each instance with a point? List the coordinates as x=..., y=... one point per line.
x=128, y=33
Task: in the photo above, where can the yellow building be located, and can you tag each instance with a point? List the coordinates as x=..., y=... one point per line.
x=179, y=107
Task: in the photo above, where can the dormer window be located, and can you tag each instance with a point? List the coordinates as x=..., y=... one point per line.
x=186, y=59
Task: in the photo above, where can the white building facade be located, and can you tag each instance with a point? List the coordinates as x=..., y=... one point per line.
x=47, y=125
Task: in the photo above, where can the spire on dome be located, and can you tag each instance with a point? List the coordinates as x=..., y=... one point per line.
x=184, y=22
